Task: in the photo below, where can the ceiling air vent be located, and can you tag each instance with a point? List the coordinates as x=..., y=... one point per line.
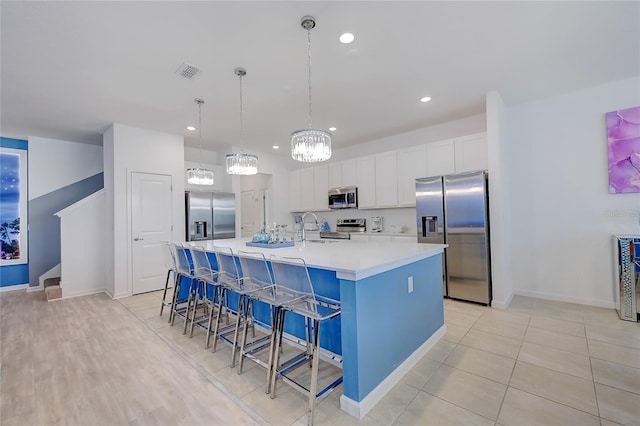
x=187, y=71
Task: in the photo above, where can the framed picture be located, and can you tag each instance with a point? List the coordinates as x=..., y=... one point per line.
x=623, y=138
x=13, y=206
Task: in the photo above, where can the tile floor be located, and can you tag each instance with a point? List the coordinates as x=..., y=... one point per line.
x=96, y=361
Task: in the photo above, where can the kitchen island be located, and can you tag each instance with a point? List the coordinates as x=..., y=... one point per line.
x=392, y=307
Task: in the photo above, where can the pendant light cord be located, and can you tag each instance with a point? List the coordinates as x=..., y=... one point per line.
x=200, y=102
x=241, y=122
x=309, y=66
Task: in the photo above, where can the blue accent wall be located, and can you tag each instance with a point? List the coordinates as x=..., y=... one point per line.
x=14, y=274
x=44, y=226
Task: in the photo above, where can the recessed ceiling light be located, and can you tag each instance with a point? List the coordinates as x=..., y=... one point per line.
x=425, y=99
x=276, y=147
x=346, y=38
x=332, y=129
x=191, y=128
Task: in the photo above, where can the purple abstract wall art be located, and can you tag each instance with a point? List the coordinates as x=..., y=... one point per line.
x=623, y=136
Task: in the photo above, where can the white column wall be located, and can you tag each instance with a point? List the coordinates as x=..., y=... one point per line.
x=563, y=216
x=127, y=150
x=499, y=208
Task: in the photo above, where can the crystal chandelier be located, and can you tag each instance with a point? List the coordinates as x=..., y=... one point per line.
x=310, y=145
x=241, y=164
x=198, y=175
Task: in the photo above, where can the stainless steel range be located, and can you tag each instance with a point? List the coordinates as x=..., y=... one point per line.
x=344, y=229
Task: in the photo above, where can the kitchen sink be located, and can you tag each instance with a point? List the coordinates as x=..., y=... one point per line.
x=323, y=241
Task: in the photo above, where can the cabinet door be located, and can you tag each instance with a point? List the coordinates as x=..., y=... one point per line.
x=366, y=182
x=335, y=175
x=440, y=158
x=321, y=187
x=471, y=153
x=358, y=237
x=306, y=189
x=386, y=180
x=349, y=173
x=411, y=165
x=295, y=204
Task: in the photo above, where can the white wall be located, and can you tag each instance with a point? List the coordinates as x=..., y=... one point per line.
x=126, y=150
x=562, y=214
x=83, y=246
x=54, y=164
x=438, y=132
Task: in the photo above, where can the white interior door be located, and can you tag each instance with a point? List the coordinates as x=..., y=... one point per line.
x=249, y=207
x=151, y=223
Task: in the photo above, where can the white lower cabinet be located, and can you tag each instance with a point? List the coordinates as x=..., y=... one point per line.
x=359, y=237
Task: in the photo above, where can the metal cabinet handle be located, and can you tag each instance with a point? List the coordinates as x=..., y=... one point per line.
x=138, y=239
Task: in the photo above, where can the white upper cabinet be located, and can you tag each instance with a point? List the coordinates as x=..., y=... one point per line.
x=295, y=203
x=440, y=158
x=342, y=174
x=386, y=179
x=459, y=155
x=308, y=189
x=412, y=164
x=366, y=182
x=349, y=173
x=321, y=187
x=471, y=153
x=307, y=185
x=335, y=175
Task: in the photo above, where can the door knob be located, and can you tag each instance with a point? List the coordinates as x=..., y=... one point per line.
x=138, y=239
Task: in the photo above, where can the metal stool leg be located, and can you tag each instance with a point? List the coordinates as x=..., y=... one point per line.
x=164, y=295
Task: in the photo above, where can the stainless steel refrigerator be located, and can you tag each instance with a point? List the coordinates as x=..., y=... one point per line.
x=210, y=215
x=453, y=210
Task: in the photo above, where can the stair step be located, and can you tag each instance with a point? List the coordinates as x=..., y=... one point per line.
x=53, y=292
x=52, y=281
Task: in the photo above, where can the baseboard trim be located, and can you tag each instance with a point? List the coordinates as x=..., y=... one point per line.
x=35, y=288
x=559, y=298
x=361, y=408
x=81, y=293
x=14, y=287
x=502, y=305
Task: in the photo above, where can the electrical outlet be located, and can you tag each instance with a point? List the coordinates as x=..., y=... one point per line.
x=410, y=285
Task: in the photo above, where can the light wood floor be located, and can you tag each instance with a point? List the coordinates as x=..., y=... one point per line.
x=95, y=361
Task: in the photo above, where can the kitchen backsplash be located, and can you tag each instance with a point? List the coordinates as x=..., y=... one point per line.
x=392, y=219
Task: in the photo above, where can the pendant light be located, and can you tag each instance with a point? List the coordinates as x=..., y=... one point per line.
x=198, y=175
x=241, y=164
x=310, y=145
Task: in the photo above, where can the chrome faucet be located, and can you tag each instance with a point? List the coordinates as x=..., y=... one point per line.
x=304, y=237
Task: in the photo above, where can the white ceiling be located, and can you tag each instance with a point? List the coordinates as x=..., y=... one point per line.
x=69, y=69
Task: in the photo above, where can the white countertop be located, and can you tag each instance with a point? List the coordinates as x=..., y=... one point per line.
x=352, y=260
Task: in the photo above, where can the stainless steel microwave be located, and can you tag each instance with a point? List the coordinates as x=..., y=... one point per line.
x=343, y=198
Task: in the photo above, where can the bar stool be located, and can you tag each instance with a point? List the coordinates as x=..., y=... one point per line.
x=184, y=281
x=169, y=260
x=208, y=288
x=259, y=286
x=292, y=278
x=228, y=279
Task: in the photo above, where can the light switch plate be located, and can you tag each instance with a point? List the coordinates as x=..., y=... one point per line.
x=410, y=285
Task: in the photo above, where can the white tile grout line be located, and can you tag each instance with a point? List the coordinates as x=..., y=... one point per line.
x=204, y=373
